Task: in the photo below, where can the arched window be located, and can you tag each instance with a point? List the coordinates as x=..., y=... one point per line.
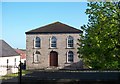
x=70, y=42
x=70, y=57
x=53, y=42
x=37, y=42
x=36, y=56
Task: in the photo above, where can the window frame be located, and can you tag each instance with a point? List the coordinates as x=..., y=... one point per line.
x=55, y=39
x=68, y=53
x=7, y=64
x=70, y=38
x=15, y=62
x=35, y=42
x=36, y=59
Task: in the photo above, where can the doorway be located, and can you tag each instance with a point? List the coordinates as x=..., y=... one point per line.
x=53, y=58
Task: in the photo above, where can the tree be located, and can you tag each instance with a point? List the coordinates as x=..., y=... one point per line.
x=100, y=46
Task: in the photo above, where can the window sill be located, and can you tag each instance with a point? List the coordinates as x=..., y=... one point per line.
x=68, y=62
x=35, y=62
x=37, y=48
x=70, y=48
x=52, y=48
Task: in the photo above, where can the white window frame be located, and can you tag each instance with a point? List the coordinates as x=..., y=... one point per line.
x=68, y=57
x=68, y=43
x=52, y=43
x=36, y=57
x=35, y=42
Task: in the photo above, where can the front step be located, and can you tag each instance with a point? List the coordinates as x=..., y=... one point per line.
x=52, y=68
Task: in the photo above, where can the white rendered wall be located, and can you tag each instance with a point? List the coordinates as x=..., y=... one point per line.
x=11, y=62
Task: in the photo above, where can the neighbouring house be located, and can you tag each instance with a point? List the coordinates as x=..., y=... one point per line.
x=53, y=46
x=22, y=54
x=9, y=59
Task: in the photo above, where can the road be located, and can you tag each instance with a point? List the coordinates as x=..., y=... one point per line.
x=42, y=77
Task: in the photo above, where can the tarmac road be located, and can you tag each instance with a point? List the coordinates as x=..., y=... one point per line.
x=68, y=76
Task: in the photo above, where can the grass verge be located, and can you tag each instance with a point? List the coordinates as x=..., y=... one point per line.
x=9, y=76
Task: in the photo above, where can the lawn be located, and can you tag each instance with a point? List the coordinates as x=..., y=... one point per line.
x=9, y=76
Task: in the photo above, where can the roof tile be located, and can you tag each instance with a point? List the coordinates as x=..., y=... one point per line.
x=56, y=27
x=6, y=50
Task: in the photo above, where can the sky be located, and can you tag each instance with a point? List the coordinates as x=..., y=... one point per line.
x=20, y=17
x=44, y=0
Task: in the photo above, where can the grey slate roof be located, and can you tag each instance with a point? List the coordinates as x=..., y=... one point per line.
x=56, y=27
x=6, y=50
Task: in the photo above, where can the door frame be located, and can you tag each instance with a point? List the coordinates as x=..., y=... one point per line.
x=53, y=59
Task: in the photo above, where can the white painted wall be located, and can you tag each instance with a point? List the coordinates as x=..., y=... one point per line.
x=23, y=60
x=11, y=62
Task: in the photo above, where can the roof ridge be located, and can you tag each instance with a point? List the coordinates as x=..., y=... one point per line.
x=55, y=27
x=46, y=25
x=7, y=50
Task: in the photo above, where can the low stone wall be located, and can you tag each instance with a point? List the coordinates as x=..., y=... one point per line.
x=4, y=70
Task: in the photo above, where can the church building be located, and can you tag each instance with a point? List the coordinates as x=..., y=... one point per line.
x=53, y=46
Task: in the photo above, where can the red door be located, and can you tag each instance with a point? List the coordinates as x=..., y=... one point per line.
x=53, y=58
